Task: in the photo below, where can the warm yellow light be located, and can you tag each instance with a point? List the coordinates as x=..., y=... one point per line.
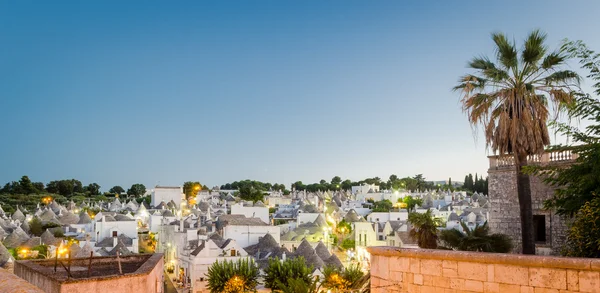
x=23, y=251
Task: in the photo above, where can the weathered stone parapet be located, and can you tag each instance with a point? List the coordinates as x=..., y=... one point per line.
x=424, y=270
x=10, y=283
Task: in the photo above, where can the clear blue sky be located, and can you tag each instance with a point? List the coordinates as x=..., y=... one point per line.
x=165, y=92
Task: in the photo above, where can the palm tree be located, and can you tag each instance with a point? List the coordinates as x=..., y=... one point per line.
x=477, y=239
x=510, y=100
x=424, y=229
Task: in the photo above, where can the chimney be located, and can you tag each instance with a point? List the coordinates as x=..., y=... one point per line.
x=115, y=240
x=283, y=256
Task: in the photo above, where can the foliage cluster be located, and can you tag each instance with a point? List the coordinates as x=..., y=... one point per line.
x=227, y=275
x=295, y=268
x=476, y=239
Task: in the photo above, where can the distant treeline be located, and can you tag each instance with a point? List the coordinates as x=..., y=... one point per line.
x=414, y=183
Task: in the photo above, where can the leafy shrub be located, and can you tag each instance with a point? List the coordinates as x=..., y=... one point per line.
x=477, y=239
x=228, y=274
x=583, y=237
x=289, y=269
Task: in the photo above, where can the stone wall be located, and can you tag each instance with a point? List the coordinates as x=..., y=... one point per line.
x=147, y=277
x=504, y=212
x=424, y=270
x=10, y=283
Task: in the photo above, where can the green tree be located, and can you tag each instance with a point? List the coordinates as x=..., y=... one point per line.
x=222, y=273
x=250, y=193
x=116, y=190
x=191, y=189
x=578, y=183
x=412, y=203
x=348, y=244
x=337, y=180
x=584, y=231
x=27, y=186
x=510, y=100
x=136, y=190
x=35, y=226
x=92, y=189
x=298, y=186
x=477, y=239
x=424, y=229
x=382, y=206
x=346, y=185
x=295, y=268
x=298, y=285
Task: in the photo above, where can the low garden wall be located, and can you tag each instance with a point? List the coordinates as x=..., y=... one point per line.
x=424, y=270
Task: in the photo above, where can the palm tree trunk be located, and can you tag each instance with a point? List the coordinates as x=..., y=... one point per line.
x=525, y=207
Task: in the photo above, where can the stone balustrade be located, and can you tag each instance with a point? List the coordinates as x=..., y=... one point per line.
x=550, y=157
x=425, y=270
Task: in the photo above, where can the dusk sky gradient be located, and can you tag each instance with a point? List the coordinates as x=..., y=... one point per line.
x=121, y=92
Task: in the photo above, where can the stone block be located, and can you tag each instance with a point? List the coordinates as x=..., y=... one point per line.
x=573, y=280
x=381, y=267
x=475, y=286
x=449, y=264
x=490, y=273
x=415, y=266
x=490, y=287
x=548, y=278
x=457, y=284
x=472, y=271
x=545, y=290
x=441, y=282
x=431, y=267
x=526, y=289
x=449, y=273
x=412, y=288
x=401, y=264
x=428, y=289
x=509, y=274
x=427, y=281
x=509, y=287
x=396, y=277
x=589, y=281
x=418, y=279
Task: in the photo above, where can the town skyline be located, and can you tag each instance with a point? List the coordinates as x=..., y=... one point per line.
x=216, y=92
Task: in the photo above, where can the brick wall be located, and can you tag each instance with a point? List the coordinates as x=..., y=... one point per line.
x=424, y=270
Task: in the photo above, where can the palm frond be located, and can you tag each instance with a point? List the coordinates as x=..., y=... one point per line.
x=505, y=51
x=534, y=48
x=553, y=59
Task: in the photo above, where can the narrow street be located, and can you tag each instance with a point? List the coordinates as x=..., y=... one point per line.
x=169, y=288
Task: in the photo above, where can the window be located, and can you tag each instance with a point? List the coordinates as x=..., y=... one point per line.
x=539, y=228
x=233, y=252
x=114, y=233
x=380, y=237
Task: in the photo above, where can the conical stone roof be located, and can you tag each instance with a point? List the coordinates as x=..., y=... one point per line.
x=322, y=251
x=5, y=256
x=48, y=238
x=16, y=238
x=320, y=221
x=84, y=218
x=68, y=218
x=25, y=227
x=304, y=249
x=18, y=215
x=48, y=215
x=333, y=260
